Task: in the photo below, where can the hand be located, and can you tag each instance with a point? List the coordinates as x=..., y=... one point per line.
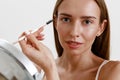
x=36, y=51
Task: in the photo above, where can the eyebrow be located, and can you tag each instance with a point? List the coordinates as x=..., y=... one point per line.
x=82, y=17
x=64, y=14
x=87, y=17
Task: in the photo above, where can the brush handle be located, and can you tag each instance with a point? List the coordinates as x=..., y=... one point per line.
x=23, y=37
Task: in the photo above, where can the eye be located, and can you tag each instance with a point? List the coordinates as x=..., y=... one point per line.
x=66, y=20
x=87, y=22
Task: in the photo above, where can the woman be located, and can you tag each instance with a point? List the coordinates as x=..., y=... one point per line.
x=82, y=36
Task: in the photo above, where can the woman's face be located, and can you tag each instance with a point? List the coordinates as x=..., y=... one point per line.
x=78, y=25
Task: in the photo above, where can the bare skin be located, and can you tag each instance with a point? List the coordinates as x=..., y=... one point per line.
x=79, y=63
x=77, y=25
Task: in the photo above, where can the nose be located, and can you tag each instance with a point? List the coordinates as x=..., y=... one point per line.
x=76, y=29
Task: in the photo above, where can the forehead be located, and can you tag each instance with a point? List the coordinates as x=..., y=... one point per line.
x=79, y=8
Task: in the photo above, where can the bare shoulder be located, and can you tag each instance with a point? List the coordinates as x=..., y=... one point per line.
x=111, y=71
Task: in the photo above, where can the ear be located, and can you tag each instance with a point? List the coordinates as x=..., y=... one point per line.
x=102, y=27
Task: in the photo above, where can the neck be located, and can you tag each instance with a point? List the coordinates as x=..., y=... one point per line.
x=72, y=62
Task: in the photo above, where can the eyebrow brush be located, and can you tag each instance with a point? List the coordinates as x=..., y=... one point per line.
x=23, y=37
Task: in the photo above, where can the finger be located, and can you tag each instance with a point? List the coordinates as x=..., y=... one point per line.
x=23, y=44
x=33, y=40
x=23, y=34
x=40, y=37
x=38, y=31
x=37, y=34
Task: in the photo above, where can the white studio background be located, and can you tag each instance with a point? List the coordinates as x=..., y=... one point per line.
x=17, y=16
x=114, y=12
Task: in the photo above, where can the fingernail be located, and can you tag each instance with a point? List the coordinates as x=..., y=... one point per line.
x=27, y=32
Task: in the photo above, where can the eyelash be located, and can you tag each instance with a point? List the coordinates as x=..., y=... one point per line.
x=84, y=22
x=87, y=22
x=65, y=19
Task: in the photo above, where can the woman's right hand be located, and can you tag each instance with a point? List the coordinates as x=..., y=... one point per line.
x=39, y=53
x=36, y=51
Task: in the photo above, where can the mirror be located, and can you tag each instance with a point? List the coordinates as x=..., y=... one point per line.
x=14, y=65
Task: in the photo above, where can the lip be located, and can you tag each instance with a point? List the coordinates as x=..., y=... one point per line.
x=73, y=44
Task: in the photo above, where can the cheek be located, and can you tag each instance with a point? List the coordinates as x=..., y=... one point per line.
x=61, y=31
x=61, y=35
x=90, y=35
